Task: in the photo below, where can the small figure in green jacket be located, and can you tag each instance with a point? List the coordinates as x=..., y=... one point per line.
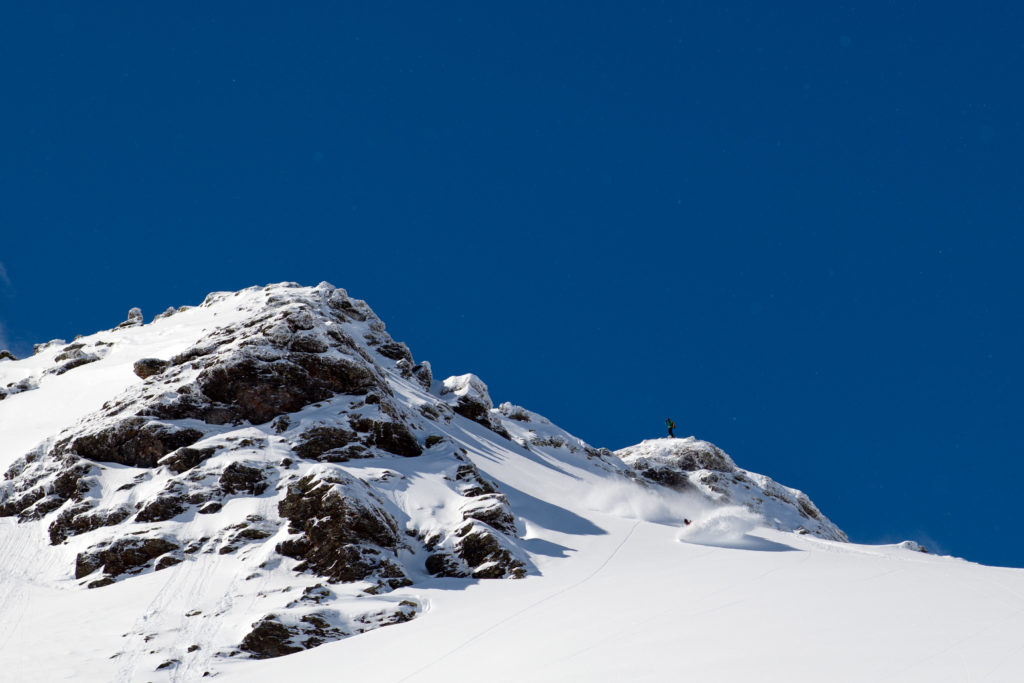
x=671, y=425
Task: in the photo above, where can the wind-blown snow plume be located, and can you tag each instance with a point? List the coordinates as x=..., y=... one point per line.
x=721, y=525
x=629, y=499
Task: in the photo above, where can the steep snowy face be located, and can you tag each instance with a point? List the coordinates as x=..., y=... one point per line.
x=701, y=467
x=236, y=445
x=280, y=437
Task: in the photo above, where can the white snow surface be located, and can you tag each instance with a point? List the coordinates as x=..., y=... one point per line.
x=618, y=587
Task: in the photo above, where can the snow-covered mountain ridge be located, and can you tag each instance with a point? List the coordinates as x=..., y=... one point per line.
x=299, y=479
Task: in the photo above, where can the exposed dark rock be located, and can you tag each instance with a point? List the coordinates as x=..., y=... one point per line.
x=69, y=352
x=673, y=479
x=480, y=549
x=269, y=638
x=184, y=459
x=72, y=357
x=492, y=509
x=473, y=483
x=210, y=508
x=281, y=424
x=164, y=507
x=134, y=442
x=122, y=555
x=27, y=384
x=259, y=391
x=335, y=528
x=423, y=374
x=69, y=483
x=316, y=441
x=62, y=478
x=239, y=478
x=440, y=564
x=307, y=343
x=395, y=351
x=7, y=355
x=134, y=319
x=392, y=437
x=100, y=583
x=147, y=367
x=171, y=310
x=167, y=561
x=74, y=521
x=473, y=409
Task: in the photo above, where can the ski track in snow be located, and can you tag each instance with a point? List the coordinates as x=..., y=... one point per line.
x=529, y=607
x=12, y=592
x=202, y=629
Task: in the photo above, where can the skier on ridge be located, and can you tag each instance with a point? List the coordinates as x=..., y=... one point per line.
x=671, y=425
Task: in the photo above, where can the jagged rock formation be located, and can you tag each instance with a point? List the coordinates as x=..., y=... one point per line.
x=288, y=433
x=694, y=465
x=266, y=408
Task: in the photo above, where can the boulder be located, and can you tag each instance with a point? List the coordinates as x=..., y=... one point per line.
x=269, y=638
x=134, y=319
x=147, y=367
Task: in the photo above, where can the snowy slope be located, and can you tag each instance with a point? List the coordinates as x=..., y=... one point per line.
x=333, y=498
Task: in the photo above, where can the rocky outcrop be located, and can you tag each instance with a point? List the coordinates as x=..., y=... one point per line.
x=328, y=444
x=184, y=459
x=147, y=367
x=238, y=478
x=270, y=638
x=78, y=520
x=282, y=386
x=342, y=529
x=704, y=469
x=259, y=391
x=467, y=395
x=474, y=550
x=133, y=441
x=393, y=437
x=122, y=555
x=134, y=319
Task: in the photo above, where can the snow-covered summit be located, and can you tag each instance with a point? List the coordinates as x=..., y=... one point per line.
x=292, y=465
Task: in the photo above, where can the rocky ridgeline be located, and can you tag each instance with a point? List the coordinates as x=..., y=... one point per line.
x=296, y=438
x=267, y=411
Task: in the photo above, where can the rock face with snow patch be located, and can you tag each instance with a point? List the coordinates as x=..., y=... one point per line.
x=259, y=415
x=700, y=466
x=289, y=437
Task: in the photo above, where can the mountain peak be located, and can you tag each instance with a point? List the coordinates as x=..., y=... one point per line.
x=280, y=434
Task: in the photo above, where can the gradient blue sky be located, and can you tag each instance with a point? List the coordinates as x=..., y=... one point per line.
x=795, y=230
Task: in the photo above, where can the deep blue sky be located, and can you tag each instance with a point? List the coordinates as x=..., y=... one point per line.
x=795, y=230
